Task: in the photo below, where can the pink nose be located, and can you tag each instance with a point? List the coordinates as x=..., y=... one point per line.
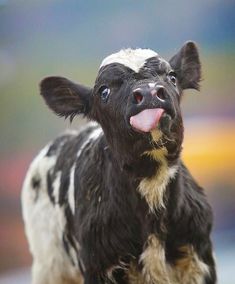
x=141, y=93
x=159, y=92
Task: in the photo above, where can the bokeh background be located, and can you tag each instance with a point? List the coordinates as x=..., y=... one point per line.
x=70, y=38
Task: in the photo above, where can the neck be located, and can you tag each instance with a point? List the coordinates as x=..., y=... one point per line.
x=149, y=173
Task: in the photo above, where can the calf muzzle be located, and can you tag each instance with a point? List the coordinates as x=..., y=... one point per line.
x=149, y=93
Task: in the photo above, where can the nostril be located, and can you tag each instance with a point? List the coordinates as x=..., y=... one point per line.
x=138, y=97
x=161, y=93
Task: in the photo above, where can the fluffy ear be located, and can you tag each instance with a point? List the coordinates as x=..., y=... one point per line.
x=186, y=64
x=64, y=97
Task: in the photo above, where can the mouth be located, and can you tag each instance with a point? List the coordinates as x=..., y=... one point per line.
x=147, y=120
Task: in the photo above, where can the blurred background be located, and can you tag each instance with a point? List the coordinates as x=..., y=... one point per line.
x=70, y=38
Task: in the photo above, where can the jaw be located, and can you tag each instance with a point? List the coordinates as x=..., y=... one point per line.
x=154, y=123
x=139, y=156
x=168, y=136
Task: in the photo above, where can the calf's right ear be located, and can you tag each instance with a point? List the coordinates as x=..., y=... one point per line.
x=64, y=97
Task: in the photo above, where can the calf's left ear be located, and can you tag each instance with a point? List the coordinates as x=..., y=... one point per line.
x=64, y=97
x=186, y=64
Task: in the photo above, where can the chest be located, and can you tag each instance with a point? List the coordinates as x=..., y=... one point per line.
x=108, y=227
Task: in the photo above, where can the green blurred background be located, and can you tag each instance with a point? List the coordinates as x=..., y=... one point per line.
x=70, y=38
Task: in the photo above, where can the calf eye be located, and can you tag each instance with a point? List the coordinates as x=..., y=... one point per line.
x=172, y=77
x=104, y=92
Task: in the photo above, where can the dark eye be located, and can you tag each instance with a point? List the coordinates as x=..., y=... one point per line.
x=104, y=92
x=172, y=77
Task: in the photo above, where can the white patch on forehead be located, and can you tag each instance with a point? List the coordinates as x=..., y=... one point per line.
x=132, y=58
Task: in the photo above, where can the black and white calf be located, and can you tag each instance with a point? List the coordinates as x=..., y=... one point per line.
x=115, y=203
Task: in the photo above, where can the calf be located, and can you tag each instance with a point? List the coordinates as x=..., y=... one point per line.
x=115, y=203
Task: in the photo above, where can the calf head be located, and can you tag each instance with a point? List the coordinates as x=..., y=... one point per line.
x=136, y=99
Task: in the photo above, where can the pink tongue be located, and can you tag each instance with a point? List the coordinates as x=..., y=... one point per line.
x=147, y=119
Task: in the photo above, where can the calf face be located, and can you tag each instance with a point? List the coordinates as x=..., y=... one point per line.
x=136, y=99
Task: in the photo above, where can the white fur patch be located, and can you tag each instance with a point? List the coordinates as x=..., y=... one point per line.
x=71, y=196
x=45, y=224
x=95, y=134
x=132, y=58
x=56, y=186
x=92, y=136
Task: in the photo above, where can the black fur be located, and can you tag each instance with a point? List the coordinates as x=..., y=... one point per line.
x=36, y=184
x=112, y=221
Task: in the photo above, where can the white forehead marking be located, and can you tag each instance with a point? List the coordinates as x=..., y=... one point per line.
x=132, y=58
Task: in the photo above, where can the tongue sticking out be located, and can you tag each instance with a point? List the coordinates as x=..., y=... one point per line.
x=146, y=120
